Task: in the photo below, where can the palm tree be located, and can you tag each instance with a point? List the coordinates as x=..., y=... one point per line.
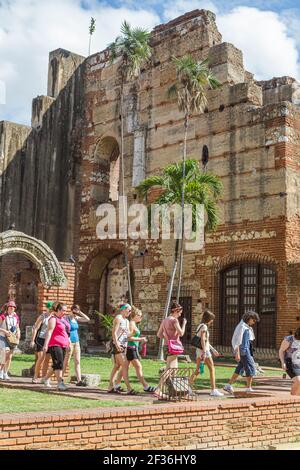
x=133, y=47
x=200, y=188
x=193, y=80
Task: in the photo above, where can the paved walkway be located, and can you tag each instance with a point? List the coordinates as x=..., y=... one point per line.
x=266, y=388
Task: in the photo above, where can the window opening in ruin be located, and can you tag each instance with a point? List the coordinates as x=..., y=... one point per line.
x=205, y=156
x=106, y=171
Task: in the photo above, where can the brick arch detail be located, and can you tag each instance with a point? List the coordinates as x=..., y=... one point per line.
x=244, y=257
x=102, y=140
x=38, y=252
x=106, y=245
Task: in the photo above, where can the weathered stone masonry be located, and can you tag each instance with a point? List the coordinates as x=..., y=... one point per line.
x=68, y=163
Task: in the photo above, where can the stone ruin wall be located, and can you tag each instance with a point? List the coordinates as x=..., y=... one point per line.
x=249, y=129
x=39, y=165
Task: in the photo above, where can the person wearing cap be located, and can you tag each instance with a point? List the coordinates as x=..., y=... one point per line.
x=38, y=339
x=120, y=332
x=9, y=323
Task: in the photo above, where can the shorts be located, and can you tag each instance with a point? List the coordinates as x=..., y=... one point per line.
x=58, y=356
x=291, y=369
x=247, y=364
x=115, y=351
x=132, y=353
x=4, y=343
x=199, y=354
x=39, y=344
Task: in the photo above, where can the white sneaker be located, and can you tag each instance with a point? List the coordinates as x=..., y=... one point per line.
x=62, y=387
x=216, y=393
x=6, y=376
x=228, y=388
x=46, y=382
x=249, y=390
x=1, y=374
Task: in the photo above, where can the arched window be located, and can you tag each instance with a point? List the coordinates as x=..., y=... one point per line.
x=106, y=171
x=205, y=155
x=249, y=286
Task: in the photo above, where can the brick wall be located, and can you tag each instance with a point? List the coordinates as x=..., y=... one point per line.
x=191, y=426
x=64, y=294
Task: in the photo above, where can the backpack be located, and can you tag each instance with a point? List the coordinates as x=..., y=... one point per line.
x=196, y=340
x=36, y=339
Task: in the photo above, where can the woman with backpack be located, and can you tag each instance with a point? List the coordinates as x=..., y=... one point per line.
x=9, y=326
x=204, y=354
x=57, y=340
x=38, y=341
x=289, y=355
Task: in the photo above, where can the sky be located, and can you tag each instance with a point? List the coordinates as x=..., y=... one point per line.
x=266, y=31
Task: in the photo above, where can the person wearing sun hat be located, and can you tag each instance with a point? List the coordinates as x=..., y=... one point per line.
x=38, y=339
x=9, y=323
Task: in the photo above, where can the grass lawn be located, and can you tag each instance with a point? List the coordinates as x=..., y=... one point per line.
x=19, y=401
x=102, y=365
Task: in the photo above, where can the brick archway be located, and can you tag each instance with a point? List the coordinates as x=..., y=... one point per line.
x=245, y=257
x=51, y=272
x=100, y=283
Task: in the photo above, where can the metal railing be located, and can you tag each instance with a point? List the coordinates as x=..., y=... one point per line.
x=176, y=385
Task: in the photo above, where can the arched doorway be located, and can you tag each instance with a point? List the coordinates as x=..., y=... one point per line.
x=51, y=272
x=106, y=287
x=29, y=273
x=19, y=280
x=249, y=286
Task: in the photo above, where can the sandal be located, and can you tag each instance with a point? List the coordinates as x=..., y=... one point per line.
x=150, y=389
x=132, y=392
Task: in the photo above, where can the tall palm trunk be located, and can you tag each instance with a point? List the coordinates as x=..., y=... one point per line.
x=160, y=355
x=186, y=124
x=123, y=193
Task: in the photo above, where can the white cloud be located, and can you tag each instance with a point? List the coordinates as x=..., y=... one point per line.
x=30, y=29
x=172, y=9
x=264, y=40
x=268, y=41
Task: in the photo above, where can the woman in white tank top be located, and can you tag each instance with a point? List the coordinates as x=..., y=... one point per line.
x=120, y=338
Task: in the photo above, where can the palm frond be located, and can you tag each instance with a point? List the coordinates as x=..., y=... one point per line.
x=193, y=79
x=200, y=188
x=134, y=46
x=149, y=183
